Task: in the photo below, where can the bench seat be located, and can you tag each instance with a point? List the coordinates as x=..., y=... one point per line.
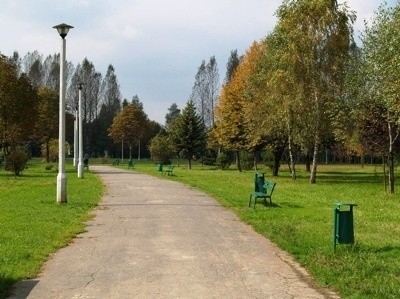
x=167, y=170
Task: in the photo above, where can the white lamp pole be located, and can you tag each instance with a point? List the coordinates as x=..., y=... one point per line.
x=80, y=163
x=76, y=138
x=61, y=177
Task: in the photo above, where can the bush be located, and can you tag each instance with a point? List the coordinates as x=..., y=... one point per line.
x=53, y=150
x=223, y=160
x=48, y=166
x=247, y=160
x=210, y=157
x=268, y=159
x=161, y=149
x=16, y=161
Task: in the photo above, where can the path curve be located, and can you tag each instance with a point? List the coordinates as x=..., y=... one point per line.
x=155, y=238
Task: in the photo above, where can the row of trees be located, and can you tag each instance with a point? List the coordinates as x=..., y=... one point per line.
x=29, y=105
x=307, y=85
x=107, y=123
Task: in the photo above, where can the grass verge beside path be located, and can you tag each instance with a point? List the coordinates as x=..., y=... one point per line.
x=301, y=221
x=33, y=225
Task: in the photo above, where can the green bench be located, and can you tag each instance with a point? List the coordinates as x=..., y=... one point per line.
x=116, y=162
x=262, y=189
x=167, y=169
x=131, y=164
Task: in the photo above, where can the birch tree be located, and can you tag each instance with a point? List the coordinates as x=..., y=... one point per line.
x=319, y=34
x=381, y=73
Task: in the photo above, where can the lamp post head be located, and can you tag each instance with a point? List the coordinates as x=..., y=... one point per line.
x=63, y=29
x=80, y=85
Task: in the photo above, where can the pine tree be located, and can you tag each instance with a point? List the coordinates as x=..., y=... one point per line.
x=173, y=113
x=188, y=133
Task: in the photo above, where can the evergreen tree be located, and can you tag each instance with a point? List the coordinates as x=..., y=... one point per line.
x=233, y=63
x=188, y=133
x=111, y=105
x=173, y=113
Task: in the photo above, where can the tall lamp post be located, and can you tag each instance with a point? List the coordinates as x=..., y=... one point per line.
x=61, y=177
x=76, y=138
x=80, y=142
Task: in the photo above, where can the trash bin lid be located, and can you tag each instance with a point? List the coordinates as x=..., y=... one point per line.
x=338, y=205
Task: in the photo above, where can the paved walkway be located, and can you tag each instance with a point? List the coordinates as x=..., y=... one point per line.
x=154, y=238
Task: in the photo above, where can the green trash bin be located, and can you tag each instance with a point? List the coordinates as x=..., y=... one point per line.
x=159, y=166
x=343, y=224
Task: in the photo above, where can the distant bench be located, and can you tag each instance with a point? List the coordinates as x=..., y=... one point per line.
x=131, y=164
x=167, y=169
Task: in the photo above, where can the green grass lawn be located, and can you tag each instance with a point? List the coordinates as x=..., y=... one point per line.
x=32, y=224
x=300, y=221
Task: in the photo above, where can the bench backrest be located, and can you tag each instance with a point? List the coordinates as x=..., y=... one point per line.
x=259, y=181
x=269, y=187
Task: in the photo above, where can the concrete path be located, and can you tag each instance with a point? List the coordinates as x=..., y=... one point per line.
x=154, y=238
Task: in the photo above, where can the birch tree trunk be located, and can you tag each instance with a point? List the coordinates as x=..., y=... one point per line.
x=313, y=176
x=292, y=163
x=391, y=158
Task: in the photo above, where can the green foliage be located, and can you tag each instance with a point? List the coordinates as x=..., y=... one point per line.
x=318, y=36
x=378, y=95
x=161, y=149
x=233, y=63
x=173, y=113
x=268, y=159
x=50, y=149
x=18, y=102
x=16, y=161
x=247, y=160
x=223, y=161
x=188, y=133
x=46, y=128
x=129, y=125
x=210, y=157
x=48, y=167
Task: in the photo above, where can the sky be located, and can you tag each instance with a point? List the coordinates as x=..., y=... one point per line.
x=155, y=46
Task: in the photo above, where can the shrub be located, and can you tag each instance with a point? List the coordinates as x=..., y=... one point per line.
x=247, y=160
x=16, y=161
x=161, y=149
x=210, y=157
x=268, y=159
x=223, y=160
x=48, y=166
